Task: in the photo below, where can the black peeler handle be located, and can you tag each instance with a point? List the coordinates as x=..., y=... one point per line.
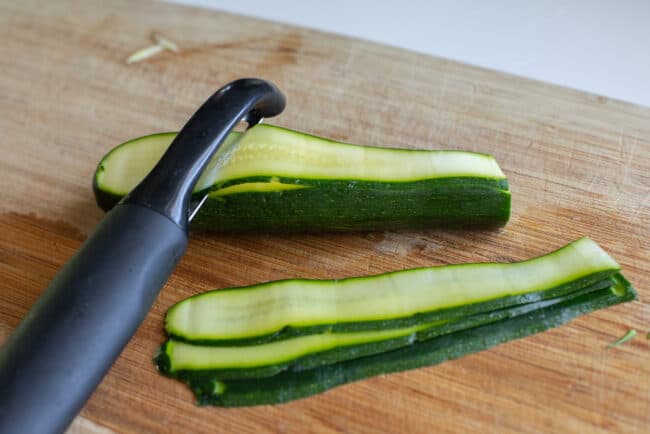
x=74, y=332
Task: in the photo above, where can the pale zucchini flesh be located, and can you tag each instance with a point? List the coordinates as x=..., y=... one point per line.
x=307, y=352
x=264, y=311
x=266, y=150
x=303, y=156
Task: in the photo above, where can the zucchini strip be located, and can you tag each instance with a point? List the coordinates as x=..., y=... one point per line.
x=283, y=309
x=273, y=179
x=288, y=386
x=308, y=352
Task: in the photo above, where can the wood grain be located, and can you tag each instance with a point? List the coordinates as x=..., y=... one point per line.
x=579, y=164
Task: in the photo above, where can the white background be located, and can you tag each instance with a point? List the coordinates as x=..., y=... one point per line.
x=598, y=46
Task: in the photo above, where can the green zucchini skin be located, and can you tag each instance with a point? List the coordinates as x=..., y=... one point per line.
x=105, y=199
x=331, y=204
x=288, y=386
x=338, y=354
x=349, y=205
x=341, y=206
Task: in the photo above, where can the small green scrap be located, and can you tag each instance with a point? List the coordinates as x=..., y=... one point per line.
x=161, y=44
x=165, y=43
x=628, y=336
x=144, y=53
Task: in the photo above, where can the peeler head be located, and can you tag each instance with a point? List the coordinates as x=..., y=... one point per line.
x=167, y=189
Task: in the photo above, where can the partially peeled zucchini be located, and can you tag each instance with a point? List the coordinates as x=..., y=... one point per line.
x=272, y=179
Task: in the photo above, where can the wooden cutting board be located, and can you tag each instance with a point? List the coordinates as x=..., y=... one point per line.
x=579, y=165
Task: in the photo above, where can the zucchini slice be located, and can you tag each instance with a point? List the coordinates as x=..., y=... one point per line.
x=289, y=385
x=273, y=179
x=177, y=358
x=288, y=308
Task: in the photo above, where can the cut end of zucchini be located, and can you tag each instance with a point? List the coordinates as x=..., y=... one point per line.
x=162, y=359
x=620, y=286
x=126, y=165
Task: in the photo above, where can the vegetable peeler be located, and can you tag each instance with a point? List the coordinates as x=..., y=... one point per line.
x=74, y=332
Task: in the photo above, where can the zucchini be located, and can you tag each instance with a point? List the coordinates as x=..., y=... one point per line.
x=289, y=385
x=283, y=309
x=178, y=358
x=273, y=179
x=534, y=296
